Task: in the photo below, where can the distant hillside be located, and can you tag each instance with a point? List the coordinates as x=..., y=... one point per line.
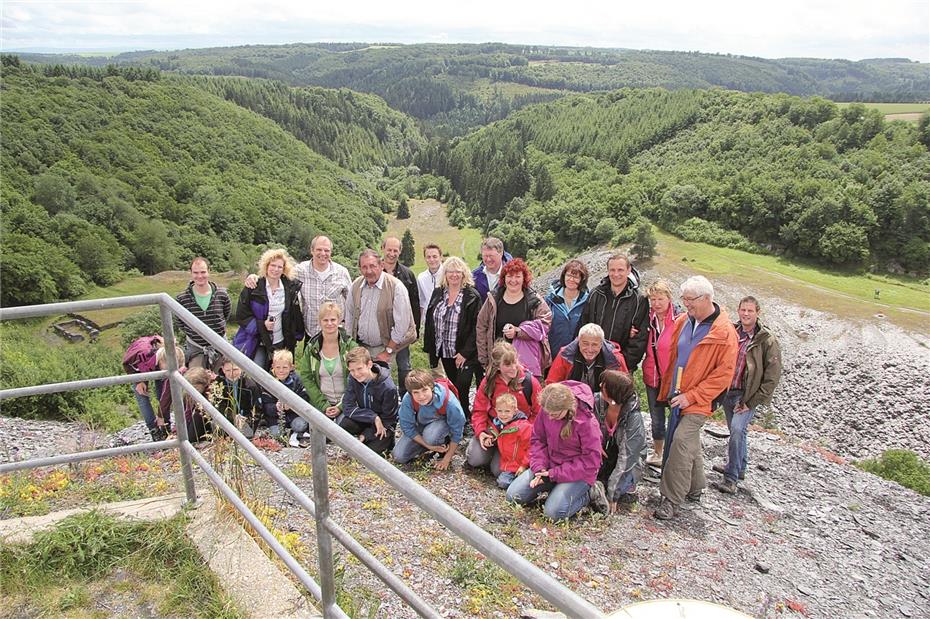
x=107, y=170
x=750, y=171
x=461, y=86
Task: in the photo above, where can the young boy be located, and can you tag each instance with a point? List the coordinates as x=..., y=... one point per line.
x=431, y=419
x=369, y=404
x=236, y=397
x=512, y=431
x=282, y=367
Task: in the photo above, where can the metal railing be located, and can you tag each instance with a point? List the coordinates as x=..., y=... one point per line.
x=323, y=428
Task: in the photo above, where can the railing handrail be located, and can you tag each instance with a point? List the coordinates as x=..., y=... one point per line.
x=512, y=562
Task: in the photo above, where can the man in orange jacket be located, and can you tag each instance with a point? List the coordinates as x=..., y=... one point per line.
x=700, y=368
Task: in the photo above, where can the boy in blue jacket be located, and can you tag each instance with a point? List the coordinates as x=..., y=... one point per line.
x=369, y=404
x=431, y=419
x=282, y=367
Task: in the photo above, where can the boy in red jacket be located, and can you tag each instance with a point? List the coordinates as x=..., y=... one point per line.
x=512, y=431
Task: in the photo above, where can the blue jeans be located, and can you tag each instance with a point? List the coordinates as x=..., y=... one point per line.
x=145, y=403
x=738, y=423
x=505, y=479
x=657, y=413
x=434, y=433
x=403, y=368
x=565, y=499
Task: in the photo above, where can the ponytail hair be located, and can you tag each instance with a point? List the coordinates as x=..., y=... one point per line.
x=558, y=397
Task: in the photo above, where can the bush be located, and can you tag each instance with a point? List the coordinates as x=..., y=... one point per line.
x=699, y=230
x=901, y=466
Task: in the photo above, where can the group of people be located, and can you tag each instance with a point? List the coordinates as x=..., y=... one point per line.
x=555, y=410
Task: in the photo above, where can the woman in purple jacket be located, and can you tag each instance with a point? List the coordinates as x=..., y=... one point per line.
x=565, y=452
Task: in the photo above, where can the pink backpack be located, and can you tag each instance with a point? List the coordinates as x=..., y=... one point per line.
x=140, y=356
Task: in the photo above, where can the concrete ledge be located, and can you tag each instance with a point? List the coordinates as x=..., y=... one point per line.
x=21, y=530
x=244, y=571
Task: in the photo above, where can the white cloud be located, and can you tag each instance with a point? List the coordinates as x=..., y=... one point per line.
x=854, y=29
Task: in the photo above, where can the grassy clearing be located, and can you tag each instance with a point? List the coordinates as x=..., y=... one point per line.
x=902, y=467
x=429, y=224
x=895, y=108
x=906, y=301
x=92, y=562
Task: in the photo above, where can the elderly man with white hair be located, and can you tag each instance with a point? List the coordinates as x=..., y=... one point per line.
x=586, y=357
x=700, y=368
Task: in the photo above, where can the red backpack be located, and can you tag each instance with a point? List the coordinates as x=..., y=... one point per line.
x=140, y=356
x=450, y=388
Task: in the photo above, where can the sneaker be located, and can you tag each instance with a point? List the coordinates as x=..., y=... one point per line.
x=726, y=486
x=655, y=460
x=722, y=469
x=694, y=497
x=599, y=498
x=294, y=441
x=666, y=510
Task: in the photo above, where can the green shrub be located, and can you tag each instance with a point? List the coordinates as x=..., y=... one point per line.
x=699, y=230
x=901, y=466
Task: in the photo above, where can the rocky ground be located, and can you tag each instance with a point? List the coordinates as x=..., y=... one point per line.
x=807, y=535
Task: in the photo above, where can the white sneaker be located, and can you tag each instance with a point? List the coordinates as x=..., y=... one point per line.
x=294, y=441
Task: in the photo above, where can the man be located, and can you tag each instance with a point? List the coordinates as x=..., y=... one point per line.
x=622, y=312
x=700, y=368
x=488, y=274
x=321, y=280
x=211, y=305
x=585, y=358
x=427, y=280
x=758, y=370
x=378, y=314
x=391, y=248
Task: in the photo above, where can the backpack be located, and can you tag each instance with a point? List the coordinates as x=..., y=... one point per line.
x=528, y=388
x=450, y=388
x=140, y=356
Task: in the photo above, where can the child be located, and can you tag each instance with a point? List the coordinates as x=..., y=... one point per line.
x=282, y=367
x=431, y=419
x=369, y=404
x=624, y=441
x=565, y=451
x=512, y=431
x=197, y=423
x=237, y=398
x=163, y=388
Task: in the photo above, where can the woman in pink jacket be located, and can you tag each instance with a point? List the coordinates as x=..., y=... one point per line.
x=662, y=314
x=565, y=453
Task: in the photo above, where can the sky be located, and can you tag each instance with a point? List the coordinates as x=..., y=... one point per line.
x=851, y=29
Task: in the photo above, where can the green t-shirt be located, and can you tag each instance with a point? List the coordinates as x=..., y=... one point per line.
x=203, y=300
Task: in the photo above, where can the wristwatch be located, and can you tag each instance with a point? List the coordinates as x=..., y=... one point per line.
x=389, y=350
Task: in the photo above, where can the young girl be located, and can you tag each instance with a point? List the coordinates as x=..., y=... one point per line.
x=565, y=452
x=197, y=422
x=505, y=375
x=623, y=439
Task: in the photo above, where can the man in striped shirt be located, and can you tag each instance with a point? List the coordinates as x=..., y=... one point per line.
x=209, y=303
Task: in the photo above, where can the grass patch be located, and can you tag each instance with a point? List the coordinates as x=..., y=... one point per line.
x=902, y=467
x=894, y=108
x=429, y=223
x=62, y=569
x=487, y=587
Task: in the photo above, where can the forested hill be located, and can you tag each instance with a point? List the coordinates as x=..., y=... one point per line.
x=460, y=86
x=118, y=169
x=750, y=171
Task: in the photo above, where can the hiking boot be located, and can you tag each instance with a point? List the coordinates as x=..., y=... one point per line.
x=666, y=510
x=598, y=498
x=726, y=486
x=654, y=459
x=722, y=469
x=694, y=497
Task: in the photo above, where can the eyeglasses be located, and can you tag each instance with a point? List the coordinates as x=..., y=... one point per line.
x=691, y=299
x=574, y=275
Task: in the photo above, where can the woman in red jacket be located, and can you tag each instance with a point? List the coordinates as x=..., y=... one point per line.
x=662, y=314
x=505, y=375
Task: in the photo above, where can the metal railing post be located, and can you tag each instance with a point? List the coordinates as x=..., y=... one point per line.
x=177, y=401
x=324, y=542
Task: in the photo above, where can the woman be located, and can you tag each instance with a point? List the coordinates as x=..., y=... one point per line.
x=505, y=375
x=567, y=300
x=623, y=439
x=269, y=315
x=662, y=314
x=520, y=316
x=565, y=452
x=197, y=421
x=324, y=370
x=450, y=326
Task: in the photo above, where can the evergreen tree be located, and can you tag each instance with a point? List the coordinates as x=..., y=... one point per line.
x=408, y=249
x=644, y=245
x=403, y=210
